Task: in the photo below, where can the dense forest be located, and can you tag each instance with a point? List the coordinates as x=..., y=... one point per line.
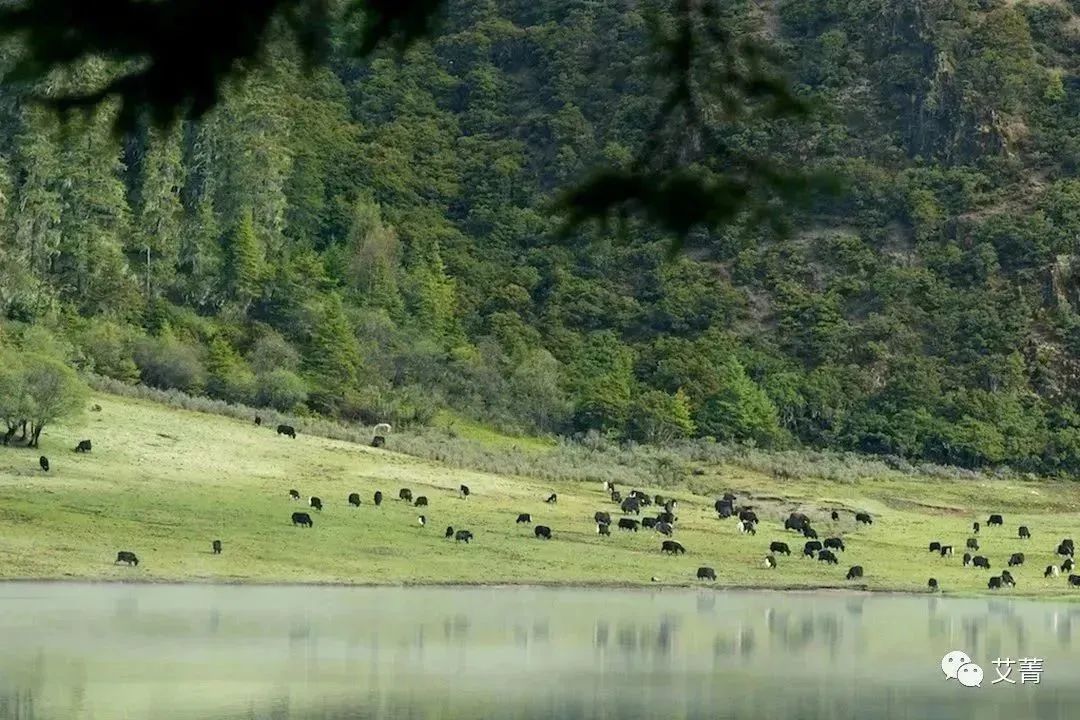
x=374, y=239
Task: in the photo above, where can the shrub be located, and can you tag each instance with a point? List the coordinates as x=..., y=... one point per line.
x=170, y=365
x=280, y=389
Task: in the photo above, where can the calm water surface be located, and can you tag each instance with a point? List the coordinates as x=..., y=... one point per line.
x=117, y=652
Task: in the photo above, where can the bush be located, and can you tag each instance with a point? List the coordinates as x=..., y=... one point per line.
x=109, y=349
x=169, y=365
x=280, y=389
x=273, y=352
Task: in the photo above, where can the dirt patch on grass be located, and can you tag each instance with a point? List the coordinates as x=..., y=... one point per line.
x=914, y=506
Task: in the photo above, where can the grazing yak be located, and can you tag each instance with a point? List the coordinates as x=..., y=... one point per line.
x=994, y=583
x=378, y=441
x=670, y=505
x=628, y=524
x=864, y=518
x=666, y=517
x=524, y=518
x=299, y=518
x=84, y=446
x=602, y=517
x=616, y=496
x=354, y=499
x=834, y=515
x=603, y=529
x=552, y=499
x=809, y=533
x=294, y=494
x=1016, y=559
x=463, y=536
x=706, y=573
x=855, y=571
x=975, y=528
x=405, y=494
x=421, y=501
x=44, y=463
x=287, y=430
x=449, y=532
x=216, y=547
x=422, y=520
x=664, y=528
x=672, y=548
x=649, y=522
x=980, y=561
x=995, y=520
x=779, y=547
x=967, y=559
x=125, y=556
x=1064, y=549
x=1051, y=571
x=932, y=584
x=725, y=511
x=747, y=527
x=827, y=556
x=542, y=532
x=463, y=491
x=972, y=544
x=810, y=548
x=631, y=505
x=935, y=546
x=770, y=561
x=946, y=551
x=378, y=498
x=258, y=420
x=1024, y=533
x=315, y=503
x=796, y=522
x=747, y=515
x=835, y=543
x=1007, y=579
x=1074, y=580
x=1067, y=566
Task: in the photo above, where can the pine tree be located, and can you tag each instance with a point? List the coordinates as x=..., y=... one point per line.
x=333, y=357
x=158, y=209
x=245, y=262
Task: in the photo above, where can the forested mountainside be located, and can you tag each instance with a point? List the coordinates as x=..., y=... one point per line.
x=373, y=240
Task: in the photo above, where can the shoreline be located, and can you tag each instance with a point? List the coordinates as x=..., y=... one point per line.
x=856, y=591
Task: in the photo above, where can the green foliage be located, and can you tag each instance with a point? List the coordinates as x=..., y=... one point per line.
x=36, y=390
x=228, y=376
x=373, y=239
x=739, y=410
x=167, y=363
x=281, y=389
x=243, y=269
x=109, y=349
x=656, y=417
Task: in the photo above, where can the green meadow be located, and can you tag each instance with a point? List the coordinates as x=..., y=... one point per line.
x=164, y=483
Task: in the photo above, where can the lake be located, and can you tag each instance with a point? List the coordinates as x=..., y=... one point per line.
x=169, y=652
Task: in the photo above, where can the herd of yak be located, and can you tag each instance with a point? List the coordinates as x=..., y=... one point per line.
x=664, y=523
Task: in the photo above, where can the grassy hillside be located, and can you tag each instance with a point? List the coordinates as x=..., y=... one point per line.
x=164, y=483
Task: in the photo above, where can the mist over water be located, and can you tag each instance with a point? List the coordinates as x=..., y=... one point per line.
x=323, y=653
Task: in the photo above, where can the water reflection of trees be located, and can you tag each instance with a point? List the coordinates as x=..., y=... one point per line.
x=17, y=705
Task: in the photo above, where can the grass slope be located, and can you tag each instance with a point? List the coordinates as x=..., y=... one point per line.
x=164, y=483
